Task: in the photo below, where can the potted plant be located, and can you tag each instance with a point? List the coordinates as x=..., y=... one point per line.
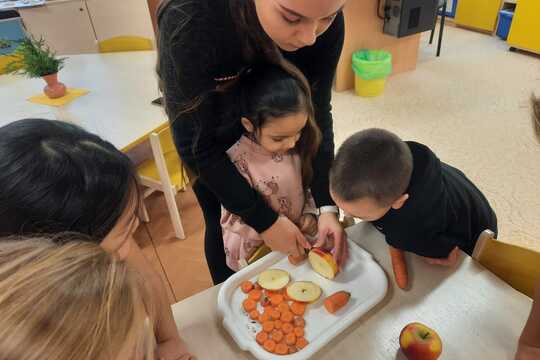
x=35, y=59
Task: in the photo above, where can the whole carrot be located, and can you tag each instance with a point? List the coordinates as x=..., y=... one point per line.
x=336, y=301
x=399, y=266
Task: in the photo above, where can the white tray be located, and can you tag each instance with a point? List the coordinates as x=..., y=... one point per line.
x=362, y=277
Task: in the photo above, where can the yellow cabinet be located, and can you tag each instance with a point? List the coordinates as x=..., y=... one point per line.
x=478, y=14
x=525, y=30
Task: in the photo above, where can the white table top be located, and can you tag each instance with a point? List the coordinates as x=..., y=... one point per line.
x=477, y=315
x=118, y=107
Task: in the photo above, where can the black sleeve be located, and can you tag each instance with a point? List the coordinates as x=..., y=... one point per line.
x=318, y=63
x=187, y=56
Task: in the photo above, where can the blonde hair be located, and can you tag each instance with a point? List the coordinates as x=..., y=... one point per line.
x=71, y=301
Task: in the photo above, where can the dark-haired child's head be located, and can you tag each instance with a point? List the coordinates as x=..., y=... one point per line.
x=57, y=177
x=371, y=174
x=275, y=108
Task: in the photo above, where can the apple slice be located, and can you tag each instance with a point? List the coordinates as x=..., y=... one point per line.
x=323, y=263
x=273, y=279
x=304, y=291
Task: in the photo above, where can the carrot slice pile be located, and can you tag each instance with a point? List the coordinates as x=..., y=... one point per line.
x=281, y=318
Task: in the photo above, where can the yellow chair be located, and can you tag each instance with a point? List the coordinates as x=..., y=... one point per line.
x=5, y=60
x=165, y=173
x=517, y=266
x=125, y=43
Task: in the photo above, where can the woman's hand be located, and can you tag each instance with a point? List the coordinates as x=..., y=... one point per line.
x=330, y=230
x=284, y=236
x=173, y=349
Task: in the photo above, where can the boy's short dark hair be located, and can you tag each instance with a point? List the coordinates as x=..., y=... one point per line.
x=372, y=163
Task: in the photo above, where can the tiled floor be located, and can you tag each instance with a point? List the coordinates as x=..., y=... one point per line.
x=180, y=262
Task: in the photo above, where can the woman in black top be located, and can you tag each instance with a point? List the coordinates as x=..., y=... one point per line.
x=203, y=44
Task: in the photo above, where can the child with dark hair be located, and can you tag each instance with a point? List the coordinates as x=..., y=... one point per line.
x=274, y=154
x=57, y=177
x=419, y=203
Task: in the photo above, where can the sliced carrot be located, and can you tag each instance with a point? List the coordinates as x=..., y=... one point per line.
x=286, y=297
x=287, y=328
x=278, y=324
x=276, y=299
x=261, y=337
x=299, y=332
x=297, y=260
x=277, y=336
x=282, y=349
x=400, y=267
x=275, y=314
x=257, y=286
x=268, y=326
x=284, y=307
x=298, y=308
x=287, y=317
x=249, y=305
x=246, y=286
x=293, y=349
x=301, y=342
x=336, y=301
x=290, y=339
x=255, y=295
x=269, y=345
x=264, y=317
x=299, y=322
x=254, y=314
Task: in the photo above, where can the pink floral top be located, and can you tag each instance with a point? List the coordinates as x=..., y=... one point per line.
x=279, y=179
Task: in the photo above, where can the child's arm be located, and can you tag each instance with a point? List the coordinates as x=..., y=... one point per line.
x=308, y=221
x=449, y=261
x=169, y=344
x=529, y=342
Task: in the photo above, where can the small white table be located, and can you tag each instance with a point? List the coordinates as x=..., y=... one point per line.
x=118, y=107
x=477, y=315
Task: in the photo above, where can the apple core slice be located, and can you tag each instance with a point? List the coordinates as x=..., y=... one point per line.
x=304, y=291
x=323, y=263
x=273, y=279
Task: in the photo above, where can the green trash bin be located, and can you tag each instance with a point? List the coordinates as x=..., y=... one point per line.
x=371, y=68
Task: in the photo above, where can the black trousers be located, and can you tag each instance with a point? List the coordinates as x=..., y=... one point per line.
x=213, y=238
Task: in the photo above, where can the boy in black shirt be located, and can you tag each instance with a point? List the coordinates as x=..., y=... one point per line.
x=419, y=203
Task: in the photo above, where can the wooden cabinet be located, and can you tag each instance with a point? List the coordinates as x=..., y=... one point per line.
x=77, y=26
x=64, y=24
x=478, y=14
x=525, y=29
x=113, y=18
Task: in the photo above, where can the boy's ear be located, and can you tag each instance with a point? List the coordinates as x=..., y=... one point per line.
x=400, y=202
x=247, y=124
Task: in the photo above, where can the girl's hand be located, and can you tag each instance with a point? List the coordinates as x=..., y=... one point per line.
x=450, y=261
x=308, y=224
x=173, y=349
x=330, y=230
x=284, y=236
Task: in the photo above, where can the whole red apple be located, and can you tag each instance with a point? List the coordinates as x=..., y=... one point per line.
x=419, y=342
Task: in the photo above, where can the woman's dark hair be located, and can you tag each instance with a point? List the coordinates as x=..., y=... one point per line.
x=267, y=91
x=56, y=177
x=257, y=47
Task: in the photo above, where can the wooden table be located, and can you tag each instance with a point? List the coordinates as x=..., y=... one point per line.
x=477, y=315
x=118, y=107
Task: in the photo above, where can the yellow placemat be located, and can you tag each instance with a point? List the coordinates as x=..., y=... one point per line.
x=71, y=94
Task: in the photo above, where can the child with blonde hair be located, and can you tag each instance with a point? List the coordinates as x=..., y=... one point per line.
x=56, y=177
x=70, y=302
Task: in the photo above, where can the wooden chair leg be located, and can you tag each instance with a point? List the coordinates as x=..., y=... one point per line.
x=173, y=212
x=145, y=217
